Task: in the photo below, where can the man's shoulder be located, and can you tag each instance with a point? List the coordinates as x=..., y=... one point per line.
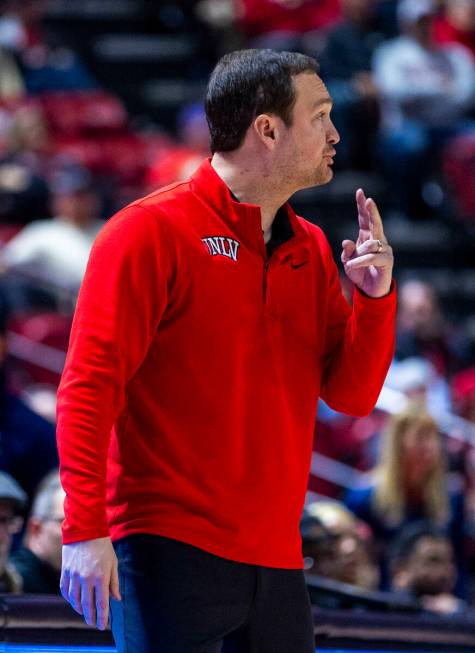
x=155, y=209
x=315, y=233
x=158, y=200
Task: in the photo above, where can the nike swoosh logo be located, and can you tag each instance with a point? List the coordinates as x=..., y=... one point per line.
x=295, y=266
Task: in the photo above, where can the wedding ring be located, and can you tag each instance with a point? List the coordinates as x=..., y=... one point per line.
x=380, y=246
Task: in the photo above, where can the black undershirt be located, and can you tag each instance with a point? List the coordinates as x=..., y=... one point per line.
x=281, y=231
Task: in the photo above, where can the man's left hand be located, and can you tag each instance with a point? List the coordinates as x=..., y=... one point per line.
x=369, y=262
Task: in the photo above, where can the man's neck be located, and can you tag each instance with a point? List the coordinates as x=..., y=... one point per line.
x=251, y=183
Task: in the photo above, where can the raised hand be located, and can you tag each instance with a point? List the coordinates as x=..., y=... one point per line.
x=369, y=261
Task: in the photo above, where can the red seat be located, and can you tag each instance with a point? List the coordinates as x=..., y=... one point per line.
x=84, y=112
x=121, y=156
x=7, y=231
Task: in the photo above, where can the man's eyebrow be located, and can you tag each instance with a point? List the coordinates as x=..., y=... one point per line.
x=319, y=103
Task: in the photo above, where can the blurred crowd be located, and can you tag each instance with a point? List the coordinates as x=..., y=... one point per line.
x=400, y=517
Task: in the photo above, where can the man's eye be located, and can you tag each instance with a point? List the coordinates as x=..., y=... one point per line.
x=320, y=116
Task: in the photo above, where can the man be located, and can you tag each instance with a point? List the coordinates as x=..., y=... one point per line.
x=38, y=561
x=209, y=320
x=54, y=251
x=337, y=545
x=423, y=566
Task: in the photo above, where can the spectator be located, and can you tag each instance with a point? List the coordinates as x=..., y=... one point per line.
x=337, y=546
x=422, y=567
x=24, y=166
x=27, y=441
x=410, y=483
x=56, y=250
x=179, y=161
x=346, y=64
x=11, y=83
x=425, y=91
x=29, y=140
x=12, y=503
x=457, y=24
x=421, y=329
x=38, y=561
x=45, y=68
x=418, y=380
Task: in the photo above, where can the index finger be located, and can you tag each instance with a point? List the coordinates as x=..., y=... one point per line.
x=376, y=222
x=364, y=216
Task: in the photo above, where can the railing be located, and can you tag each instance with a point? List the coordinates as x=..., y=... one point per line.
x=39, y=623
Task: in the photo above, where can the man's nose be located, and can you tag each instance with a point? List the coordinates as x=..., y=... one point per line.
x=333, y=136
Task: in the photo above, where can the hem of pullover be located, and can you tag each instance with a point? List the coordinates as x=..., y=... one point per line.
x=200, y=541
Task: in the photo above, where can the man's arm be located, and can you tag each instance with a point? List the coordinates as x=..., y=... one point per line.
x=360, y=342
x=122, y=298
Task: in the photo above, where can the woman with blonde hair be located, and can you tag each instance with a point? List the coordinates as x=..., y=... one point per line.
x=410, y=481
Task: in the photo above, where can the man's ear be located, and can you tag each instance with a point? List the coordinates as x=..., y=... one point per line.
x=266, y=129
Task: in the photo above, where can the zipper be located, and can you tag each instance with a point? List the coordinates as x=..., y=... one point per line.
x=264, y=280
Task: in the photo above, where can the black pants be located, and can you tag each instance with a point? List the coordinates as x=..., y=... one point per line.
x=177, y=598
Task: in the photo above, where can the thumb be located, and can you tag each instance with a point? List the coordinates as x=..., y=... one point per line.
x=114, y=583
x=349, y=248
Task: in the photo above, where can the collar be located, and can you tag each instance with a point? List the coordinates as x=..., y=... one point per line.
x=244, y=218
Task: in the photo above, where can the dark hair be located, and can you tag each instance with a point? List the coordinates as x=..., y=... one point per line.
x=246, y=83
x=407, y=540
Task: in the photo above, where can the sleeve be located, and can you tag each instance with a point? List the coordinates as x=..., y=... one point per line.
x=359, y=347
x=120, y=303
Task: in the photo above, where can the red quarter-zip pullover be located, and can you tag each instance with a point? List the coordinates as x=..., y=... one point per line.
x=193, y=372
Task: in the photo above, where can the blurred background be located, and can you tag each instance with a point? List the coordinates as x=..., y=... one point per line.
x=101, y=103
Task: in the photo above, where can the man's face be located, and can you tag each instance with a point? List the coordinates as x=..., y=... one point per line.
x=431, y=568
x=80, y=206
x=47, y=542
x=306, y=148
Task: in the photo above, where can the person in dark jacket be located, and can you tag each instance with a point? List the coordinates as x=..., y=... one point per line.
x=423, y=567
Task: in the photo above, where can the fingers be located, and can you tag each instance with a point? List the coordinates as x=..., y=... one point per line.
x=369, y=217
x=114, y=584
x=102, y=602
x=367, y=247
x=349, y=248
x=64, y=585
x=74, y=593
x=378, y=260
x=88, y=602
x=376, y=223
x=364, y=216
